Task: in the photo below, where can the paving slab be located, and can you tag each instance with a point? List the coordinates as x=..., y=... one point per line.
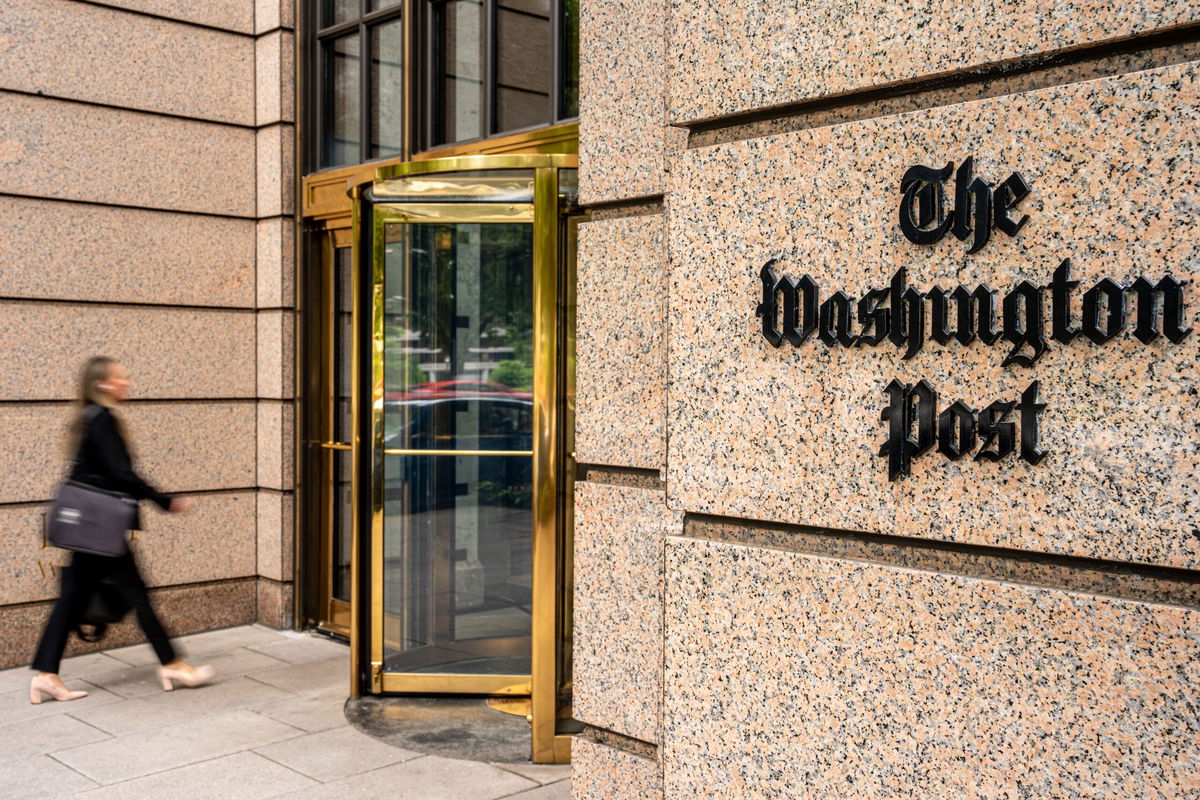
x=542, y=773
x=425, y=778
x=33, y=737
x=313, y=677
x=334, y=754
x=312, y=713
x=143, y=680
x=554, y=791
x=195, y=646
x=170, y=708
x=241, y=776
x=15, y=706
x=40, y=776
x=161, y=749
x=303, y=648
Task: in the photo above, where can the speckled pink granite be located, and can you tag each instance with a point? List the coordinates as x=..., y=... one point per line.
x=234, y=15
x=276, y=354
x=725, y=57
x=73, y=251
x=54, y=47
x=276, y=530
x=620, y=399
x=180, y=447
x=276, y=429
x=276, y=263
x=275, y=77
x=792, y=434
x=793, y=676
x=70, y=151
x=275, y=146
x=617, y=651
x=169, y=353
x=605, y=773
x=622, y=106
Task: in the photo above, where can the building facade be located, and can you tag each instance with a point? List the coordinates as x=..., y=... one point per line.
x=841, y=533
x=786, y=400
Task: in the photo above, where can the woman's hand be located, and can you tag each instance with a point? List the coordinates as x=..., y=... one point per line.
x=181, y=505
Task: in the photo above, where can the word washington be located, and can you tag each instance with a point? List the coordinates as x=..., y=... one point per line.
x=792, y=310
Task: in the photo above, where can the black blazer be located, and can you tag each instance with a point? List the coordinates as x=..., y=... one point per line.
x=103, y=459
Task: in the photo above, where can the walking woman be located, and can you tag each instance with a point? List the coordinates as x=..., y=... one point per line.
x=102, y=460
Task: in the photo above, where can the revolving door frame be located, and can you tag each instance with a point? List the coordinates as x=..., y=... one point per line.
x=552, y=458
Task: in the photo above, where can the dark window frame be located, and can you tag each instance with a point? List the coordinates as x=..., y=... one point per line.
x=417, y=91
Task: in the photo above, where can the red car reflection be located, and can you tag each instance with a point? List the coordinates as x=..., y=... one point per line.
x=443, y=389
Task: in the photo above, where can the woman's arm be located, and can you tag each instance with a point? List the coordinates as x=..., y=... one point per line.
x=118, y=466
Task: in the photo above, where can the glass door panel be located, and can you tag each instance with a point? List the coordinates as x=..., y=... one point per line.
x=458, y=447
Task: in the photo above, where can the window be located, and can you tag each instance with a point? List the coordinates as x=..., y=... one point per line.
x=360, y=105
x=480, y=68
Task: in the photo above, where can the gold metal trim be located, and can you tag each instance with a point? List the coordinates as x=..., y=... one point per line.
x=458, y=452
x=543, y=664
x=460, y=163
x=336, y=446
x=416, y=683
x=404, y=212
x=356, y=389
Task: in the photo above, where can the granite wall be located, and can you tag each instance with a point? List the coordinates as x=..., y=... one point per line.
x=792, y=581
x=147, y=199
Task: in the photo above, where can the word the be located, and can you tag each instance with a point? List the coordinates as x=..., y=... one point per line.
x=915, y=426
x=922, y=220
x=792, y=310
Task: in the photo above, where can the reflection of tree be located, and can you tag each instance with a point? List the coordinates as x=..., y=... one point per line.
x=505, y=296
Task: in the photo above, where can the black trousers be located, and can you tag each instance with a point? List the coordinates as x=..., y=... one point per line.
x=78, y=585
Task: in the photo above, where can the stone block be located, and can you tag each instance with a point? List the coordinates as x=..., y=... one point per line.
x=170, y=353
x=793, y=675
x=73, y=251
x=606, y=773
x=275, y=77
x=53, y=48
x=275, y=535
x=619, y=534
x=276, y=170
x=622, y=104
x=792, y=434
x=274, y=603
x=276, y=265
x=621, y=343
x=724, y=58
x=276, y=354
x=276, y=448
x=233, y=15
x=178, y=447
x=72, y=151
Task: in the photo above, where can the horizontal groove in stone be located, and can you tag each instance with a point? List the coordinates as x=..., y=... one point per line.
x=164, y=209
x=619, y=741
x=1132, y=55
x=190, y=23
x=637, y=477
x=1127, y=581
x=620, y=209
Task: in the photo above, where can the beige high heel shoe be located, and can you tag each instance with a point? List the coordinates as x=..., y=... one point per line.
x=55, y=688
x=196, y=676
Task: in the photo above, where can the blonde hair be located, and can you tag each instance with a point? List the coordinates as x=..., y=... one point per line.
x=94, y=372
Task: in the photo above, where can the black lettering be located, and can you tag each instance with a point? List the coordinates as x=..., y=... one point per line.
x=1114, y=296
x=768, y=309
x=956, y=430
x=1008, y=194
x=871, y=316
x=1030, y=408
x=1172, y=293
x=939, y=315
x=835, y=320
x=1027, y=334
x=976, y=307
x=923, y=186
x=1061, y=286
x=993, y=427
x=908, y=405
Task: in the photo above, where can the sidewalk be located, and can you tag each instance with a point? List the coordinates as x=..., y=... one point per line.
x=270, y=726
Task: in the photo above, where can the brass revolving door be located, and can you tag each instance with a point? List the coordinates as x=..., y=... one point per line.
x=461, y=451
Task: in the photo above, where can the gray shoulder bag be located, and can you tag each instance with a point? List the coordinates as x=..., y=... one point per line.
x=90, y=520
